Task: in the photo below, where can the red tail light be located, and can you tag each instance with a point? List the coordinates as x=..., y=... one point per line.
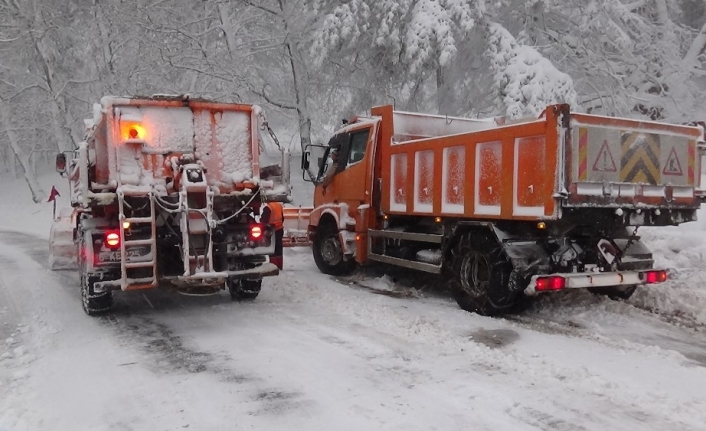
x=546, y=284
x=255, y=232
x=653, y=277
x=112, y=238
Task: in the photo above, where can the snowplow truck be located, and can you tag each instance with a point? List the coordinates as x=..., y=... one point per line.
x=166, y=191
x=507, y=210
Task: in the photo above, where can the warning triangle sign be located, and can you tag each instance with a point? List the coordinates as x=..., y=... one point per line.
x=673, y=167
x=604, y=161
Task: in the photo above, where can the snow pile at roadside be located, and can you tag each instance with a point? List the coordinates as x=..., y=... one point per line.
x=384, y=283
x=18, y=212
x=681, y=250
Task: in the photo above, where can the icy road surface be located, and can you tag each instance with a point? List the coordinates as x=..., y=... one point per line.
x=315, y=353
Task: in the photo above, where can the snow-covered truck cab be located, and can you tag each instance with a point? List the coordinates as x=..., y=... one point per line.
x=506, y=210
x=166, y=190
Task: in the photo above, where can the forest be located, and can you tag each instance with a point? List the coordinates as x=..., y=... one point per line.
x=311, y=63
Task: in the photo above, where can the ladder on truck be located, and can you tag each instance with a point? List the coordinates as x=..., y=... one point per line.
x=126, y=267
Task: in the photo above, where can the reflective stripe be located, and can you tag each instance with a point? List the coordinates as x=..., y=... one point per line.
x=276, y=215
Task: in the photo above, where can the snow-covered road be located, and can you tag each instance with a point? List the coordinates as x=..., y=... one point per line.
x=317, y=353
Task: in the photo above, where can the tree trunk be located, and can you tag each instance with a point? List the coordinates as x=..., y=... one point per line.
x=38, y=194
x=299, y=82
x=300, y=95
x=444, y=96
x=227, y=27
x=105, y=67
x=696, y=48
x=57, y=104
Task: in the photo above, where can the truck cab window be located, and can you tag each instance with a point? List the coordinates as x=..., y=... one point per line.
x=359, y=142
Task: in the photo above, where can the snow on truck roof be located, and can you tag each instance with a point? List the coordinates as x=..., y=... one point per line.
x=223, y=136
x=411, y=125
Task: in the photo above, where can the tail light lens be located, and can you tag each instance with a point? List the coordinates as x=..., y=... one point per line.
x=255, y=232
x=112, y=239
x=653, y=277
x=547, y=284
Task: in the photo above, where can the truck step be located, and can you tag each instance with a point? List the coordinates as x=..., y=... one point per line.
x=421, y=266
x=409, y=236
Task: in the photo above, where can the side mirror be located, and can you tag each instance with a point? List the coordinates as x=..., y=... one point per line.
x=61, y=163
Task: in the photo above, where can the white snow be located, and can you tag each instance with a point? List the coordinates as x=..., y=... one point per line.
x=411, y=126
x=526, y=81
x=233, y=134
x=362, y=352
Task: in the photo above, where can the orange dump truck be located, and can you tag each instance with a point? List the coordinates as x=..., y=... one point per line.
x=507, y=210
x=166, y=191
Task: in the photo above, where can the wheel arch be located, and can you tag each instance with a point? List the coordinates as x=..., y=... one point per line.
x=466, y=232
x=330, y=213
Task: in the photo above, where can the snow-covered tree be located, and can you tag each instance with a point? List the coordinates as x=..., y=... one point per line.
x=400, y=48
x=526, y=81
x=626, y=58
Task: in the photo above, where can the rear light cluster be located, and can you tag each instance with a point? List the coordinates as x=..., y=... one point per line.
x=254, y=236
x=255, y=232
x=554, y=282
x=111, y=239
x=551, y=283
x=653, y=277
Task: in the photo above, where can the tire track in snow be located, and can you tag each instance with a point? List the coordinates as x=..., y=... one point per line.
x=541, y=367
x=137, y=326
x=557, y=315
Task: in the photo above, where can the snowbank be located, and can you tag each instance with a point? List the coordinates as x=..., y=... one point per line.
x=18, y=212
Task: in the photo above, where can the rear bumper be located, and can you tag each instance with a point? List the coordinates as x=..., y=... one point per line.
x=267, y=269
x=583, y=280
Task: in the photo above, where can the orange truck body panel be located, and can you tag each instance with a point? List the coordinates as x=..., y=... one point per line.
x=497, y=173
x=520, y=171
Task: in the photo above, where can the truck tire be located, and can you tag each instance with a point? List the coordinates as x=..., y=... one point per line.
x=615, y=293
x=328, y=253
x=93, y=303
x=482, y=279
x=244, y=289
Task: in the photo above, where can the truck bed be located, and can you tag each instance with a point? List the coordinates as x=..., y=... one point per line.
x=532, y=170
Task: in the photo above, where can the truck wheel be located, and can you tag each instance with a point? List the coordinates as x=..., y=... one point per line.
x=94, y=303
x=615, y=293
x=244, y=289
x=328, y=253
x=482, y=283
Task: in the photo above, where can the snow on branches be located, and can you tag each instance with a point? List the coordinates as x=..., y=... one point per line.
x=526, y=81
x=421, y=34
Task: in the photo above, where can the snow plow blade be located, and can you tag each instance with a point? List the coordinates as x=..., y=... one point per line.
x=296, y=221
x=62, y=250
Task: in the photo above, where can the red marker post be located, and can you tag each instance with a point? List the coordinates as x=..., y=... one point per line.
x=52, y=198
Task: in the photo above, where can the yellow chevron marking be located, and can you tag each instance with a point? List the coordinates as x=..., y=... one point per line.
x=639, y=162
